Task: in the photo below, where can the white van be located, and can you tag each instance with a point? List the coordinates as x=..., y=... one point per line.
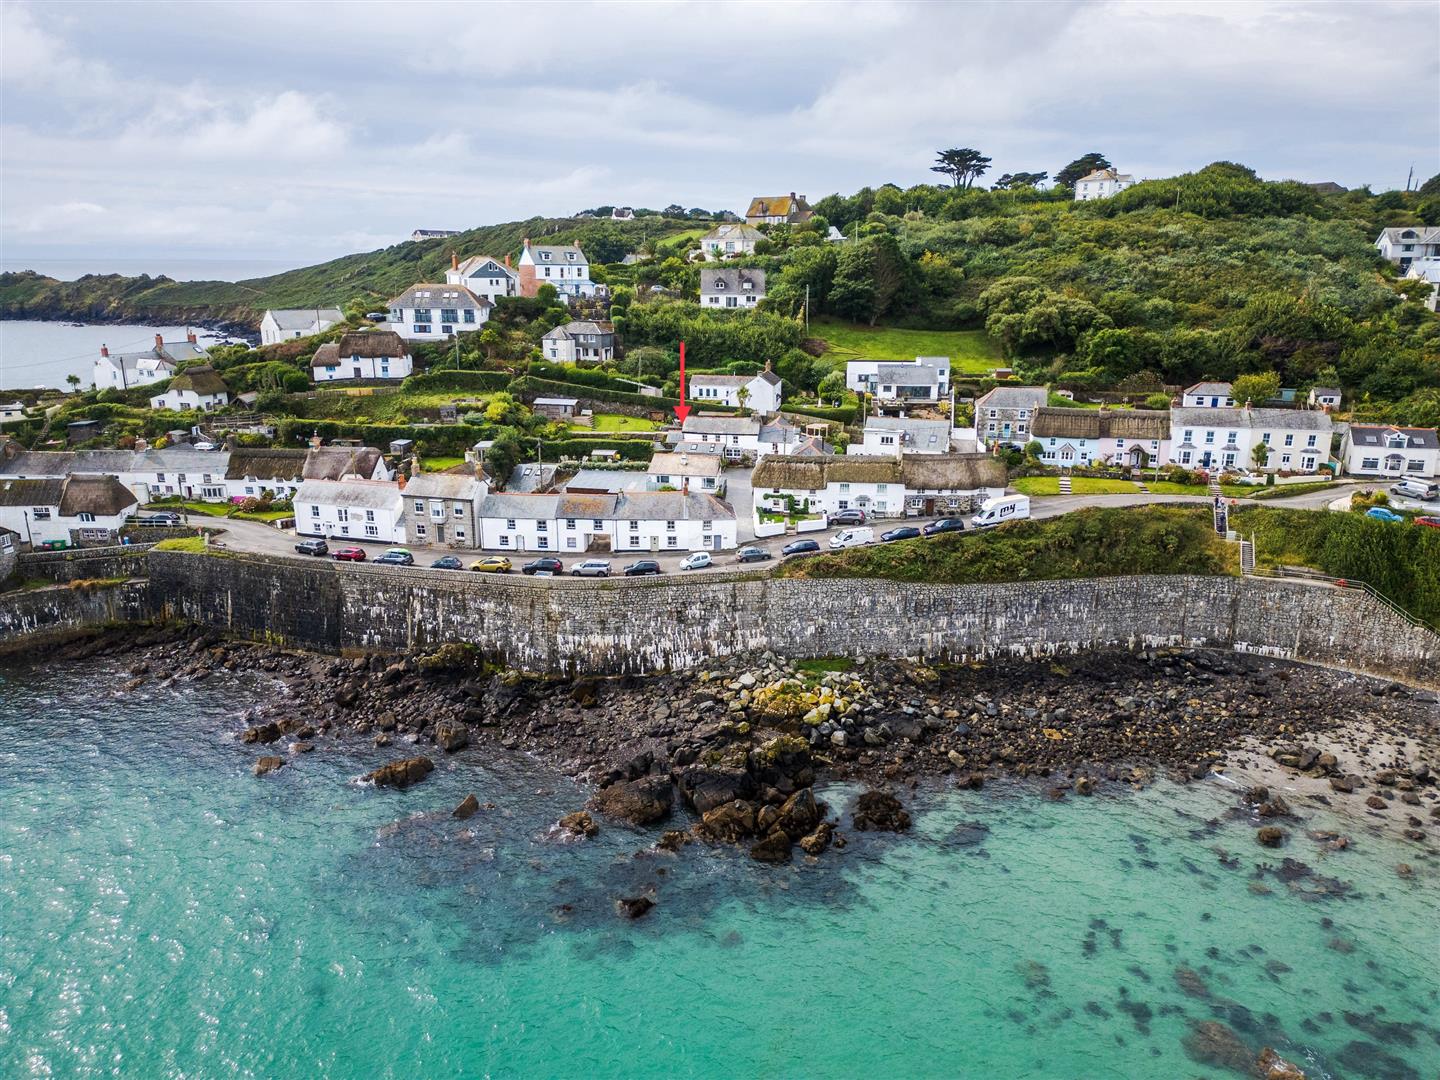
x=852, y=538
x=1417, y=489
x=998, y=511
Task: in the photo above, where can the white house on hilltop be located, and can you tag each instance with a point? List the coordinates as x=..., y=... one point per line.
x=1408, y=244
x=425, y=312
x=730, y=240
x=286, y=324
x=1207, y=395
x=362, y=354
x=564, y=266
x=126, y=370
x=1392, y=452
x=1004, y=415
x=580, y=341
x=1101, y=184
x=728, y=288
x=351, y=510
x=926, y=379
x=483, y=276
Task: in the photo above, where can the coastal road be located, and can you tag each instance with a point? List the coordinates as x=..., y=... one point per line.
x=260, y=538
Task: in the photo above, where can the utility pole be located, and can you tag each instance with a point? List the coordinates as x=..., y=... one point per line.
x=807, y=309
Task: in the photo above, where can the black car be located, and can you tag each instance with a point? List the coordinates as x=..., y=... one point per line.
x=546, y=564
x=447, y=562
x=944, y=525
x=313, y=547
x=848, y=517
x=163, y=518
x=904, y=532
x=752, y=554
x=799, y=547
x=643, y=566
x=396, y=558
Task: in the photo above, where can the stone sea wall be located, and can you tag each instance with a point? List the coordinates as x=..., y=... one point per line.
x=650, y=624
x=77, y=564
x=31, y=617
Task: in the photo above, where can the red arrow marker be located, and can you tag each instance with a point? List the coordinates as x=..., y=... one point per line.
x=682, y=410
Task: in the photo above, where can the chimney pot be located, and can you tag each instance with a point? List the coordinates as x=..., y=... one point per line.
x=159, y=341
x=454, y=261
x=190, y=336
x=104, y=350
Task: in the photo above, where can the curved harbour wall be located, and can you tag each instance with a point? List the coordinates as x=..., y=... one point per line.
x=642, y=625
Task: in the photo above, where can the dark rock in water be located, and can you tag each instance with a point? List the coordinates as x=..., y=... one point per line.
x=1140, y=1013
x=268, y=764
x=1212, y=1043
x=1084, y=785
x=799, y=816
x=728, y=824
x=878, y=811
x=640, y=802
x=467, y=808
x=704, y=787
x=401, y=774
x=1270, y=836
x=579, y=824
x=819, y=840
x=632, y=907
x=672, y=840
x=1367, y=1059
x=450, y=736
x=1384, y=1030
x=1271, y=1066
x=261, y=733
x=774, y=848
x=1374, y=802
x=1343, y=784
x=1191, y=983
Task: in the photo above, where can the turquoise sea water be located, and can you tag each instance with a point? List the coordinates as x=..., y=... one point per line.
x=165, y=913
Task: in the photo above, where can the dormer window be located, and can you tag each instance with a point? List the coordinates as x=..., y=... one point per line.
x=720, y=284
x=544, y=256
x=570, y=255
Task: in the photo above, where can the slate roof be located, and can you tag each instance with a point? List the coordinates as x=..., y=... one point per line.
x=303, y=318
x=103, y=496
x=37, y=463
x=1101, y=424
x=917, y=472
x=721, y=425
x=732, y=230
x=356, y=494
x=609, y=481
x=1285, y=419
x=1325, y=391
x=1422, y=235
x=579, y=326
x=1375, y=435
x=670, y=506
x=468, y=266
x=585, y=505
x=511, y=505
x=1012, y=397
x=1210, y=389
x=442, y=295
x=731, y=279
x=443, y=485
x=1107, y=174
x=556, y=251
x=685, y=464
x=31, y=492
x=920, y=433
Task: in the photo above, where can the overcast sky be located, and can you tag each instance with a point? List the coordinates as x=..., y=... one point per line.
x=302, y=131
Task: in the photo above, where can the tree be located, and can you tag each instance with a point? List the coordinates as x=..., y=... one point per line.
x=1261, y=454
x=832, y=386
x=74, y=381
x=743, y=397
x=1081, y=166
x=1256, y=389
x=963, y=166
x=1431, y=186
x=1019, y=180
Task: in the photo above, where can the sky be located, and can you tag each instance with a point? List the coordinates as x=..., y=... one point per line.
x=296, y=132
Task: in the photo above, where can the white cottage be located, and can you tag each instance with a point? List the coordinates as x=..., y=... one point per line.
x=362, y=510
x=199, y=387
x=1208, y=395
x=1131, y=438
x=731, y=288
x=564, y=266
x=1391, y=452
x=362, y=354
x=670, y=521
x=911, y=484
x=287, y=324
x=125, y=370
x=1101, y=184
x=484, y=276
x=893, y=383
x=70, y=511
x=1297, y=440
x=762, y=393
x=729, y=240
x=425, y=312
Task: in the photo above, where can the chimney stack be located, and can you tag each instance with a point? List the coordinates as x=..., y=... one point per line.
x=104, y=350
x=159, y=341
x=507, y=262
x=190, y=337
x=454, y=261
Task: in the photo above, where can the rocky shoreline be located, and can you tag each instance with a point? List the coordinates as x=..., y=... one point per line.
x=740, y=746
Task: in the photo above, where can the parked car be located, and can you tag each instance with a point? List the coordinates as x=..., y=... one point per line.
x=313, y=547
x=591, y=568
x=159, y=519
x=904, y=532
x=944, y=525
x=1254, y=479
x=376, y=316
x=1379, y=513
x=546, y=564
x=848, y=517
x=493, y=564
x=852, y=538
x=697, y=561
x=1422, y=490
x=642, y=567
x=752, y=554
x=204, y=445
x=396, y=557
x=349, y=554
x=447, y=562
x=1433, y=522
x=1000, y=510
x=800, y=547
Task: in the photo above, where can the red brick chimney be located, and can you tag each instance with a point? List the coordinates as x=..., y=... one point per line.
x=454, y=261
x=104, y=350
x=159, y=341
x=190, y=337
x=507, y=262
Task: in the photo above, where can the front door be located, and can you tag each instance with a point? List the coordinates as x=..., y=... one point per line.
x=439, y=534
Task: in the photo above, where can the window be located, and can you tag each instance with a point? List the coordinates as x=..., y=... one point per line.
x=86, y=517
x=1209, y=438
x=459, y=510
x=504, y=541
x=1189, y=435
x=459, y=534
x=1415, y=466
x=542, y=544
x=1289, y=440
x=1265, y=438
x=570, y=523
x=469, y=315
x=1370, y=463
x=669, y=526
x=315, y=511
x=542, y=526
x=510, y=523
x=570, y=542
x=372, y=530
x=1284, y=459
x=449, y=315
x=369, y=515
x=672, y=541
x=634, y=526
x=342, y=514
x=1310, y=441
x=438, y=510
x=420, y=328
x=422, y=315
x=419, y=506
x=419, y=531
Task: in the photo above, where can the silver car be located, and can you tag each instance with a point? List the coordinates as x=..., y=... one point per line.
x=591, y=568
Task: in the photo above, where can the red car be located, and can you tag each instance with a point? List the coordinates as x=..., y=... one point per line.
x=1433, y=522
x=350, y=554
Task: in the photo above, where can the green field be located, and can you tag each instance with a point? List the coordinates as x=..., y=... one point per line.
x=615, y=422
x=439, y=464
x=1080, y=485
x=970, y=351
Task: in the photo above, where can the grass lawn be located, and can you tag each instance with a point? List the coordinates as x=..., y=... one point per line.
x=616, y=422
x=263, y=515
x=439, y=464
x=203, y=508
x=1056, y=401
x=970, y=351
x=1079, y=485
x=1230, y=491
x=182, y=543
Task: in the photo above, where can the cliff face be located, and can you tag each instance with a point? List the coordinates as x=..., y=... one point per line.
x=116, y=299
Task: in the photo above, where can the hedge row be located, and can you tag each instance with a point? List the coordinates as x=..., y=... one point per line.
x=628, y=449
x=458, y=381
